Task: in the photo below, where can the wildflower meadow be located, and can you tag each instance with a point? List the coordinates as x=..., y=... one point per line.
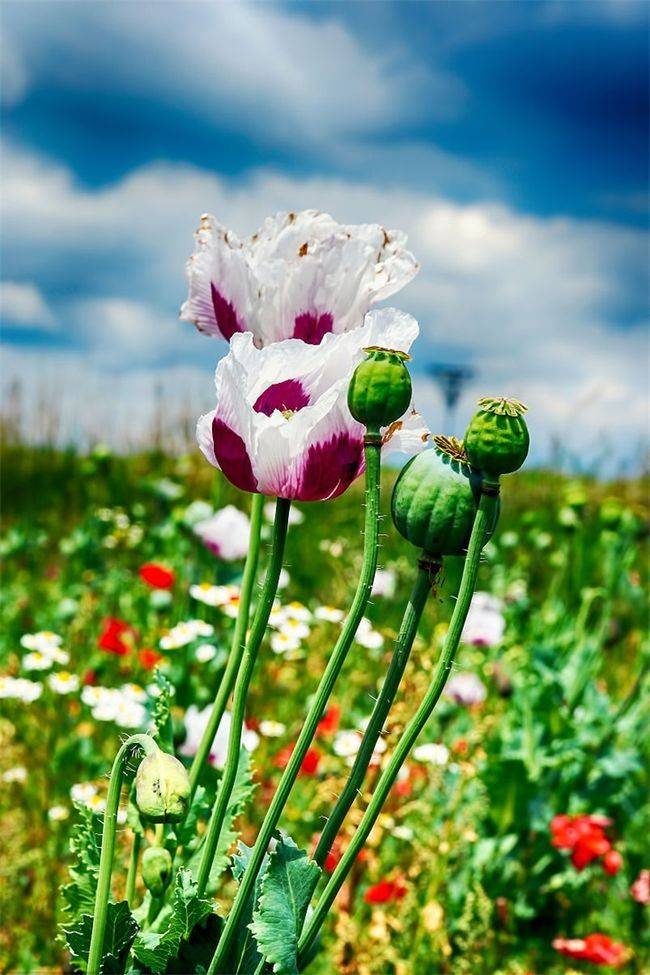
x=332, y=691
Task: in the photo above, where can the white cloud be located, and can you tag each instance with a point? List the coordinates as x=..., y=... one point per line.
x=262, y=69
x=22, y=304
x=540, y=307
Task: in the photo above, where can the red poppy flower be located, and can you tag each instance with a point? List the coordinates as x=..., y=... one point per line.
x=89, y=678
x=385, y=891
x=309, y=763
x=149, y=658
x=596, y=948
x=157, y=576
x=583, y=835
x=612, y=862
x=329, y=723
x=116, y=636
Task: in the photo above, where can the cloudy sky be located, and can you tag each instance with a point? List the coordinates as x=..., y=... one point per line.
x=508, y=139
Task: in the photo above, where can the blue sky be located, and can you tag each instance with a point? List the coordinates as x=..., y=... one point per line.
x=508, y=139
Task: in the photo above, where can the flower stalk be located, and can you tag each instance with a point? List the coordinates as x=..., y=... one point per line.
x=372, y=451
x=237, y=646
x=150, y=748
x=242, y=684
x=483, y=520
x=428, y=570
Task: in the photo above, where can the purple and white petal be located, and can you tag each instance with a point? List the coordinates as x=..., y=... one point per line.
x=222, y=288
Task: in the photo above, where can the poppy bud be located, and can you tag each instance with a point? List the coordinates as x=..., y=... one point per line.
x=496, y=440
x=380, y=388
x=156, y=869
x=435, y=499
x=162, y=788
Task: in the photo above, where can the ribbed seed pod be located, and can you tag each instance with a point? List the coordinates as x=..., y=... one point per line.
x=497, y=440
x=435, y=499
x=380, y=388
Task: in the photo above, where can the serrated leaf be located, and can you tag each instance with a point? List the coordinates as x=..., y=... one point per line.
x=244, y=956
x=85, y=845
x=284, y=897
x=155, y=949
x=119, y=935
x=241, y=793
x=186, y=831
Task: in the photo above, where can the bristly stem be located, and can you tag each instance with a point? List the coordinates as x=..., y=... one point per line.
x=133, y=868
x=149, y=747
x=427, y=572
x=237, y=646
x=242, y=684
x=416, y=724
x=319, y=702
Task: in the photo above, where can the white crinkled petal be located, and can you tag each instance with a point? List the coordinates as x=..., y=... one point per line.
x=204, y=437
x=220, y=261
x=408, y=435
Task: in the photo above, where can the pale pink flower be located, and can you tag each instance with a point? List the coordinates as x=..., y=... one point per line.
x=466, y=688
x=195, y=724
x=384, y=583
x=300, y=276
x=282, y=424
x=640, y=889
x=226, y=534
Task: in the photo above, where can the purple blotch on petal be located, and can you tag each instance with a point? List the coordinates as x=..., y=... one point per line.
x=287, y=395
x=225, y=314
x=311, y=327
x=230, y=451
x=330, y=468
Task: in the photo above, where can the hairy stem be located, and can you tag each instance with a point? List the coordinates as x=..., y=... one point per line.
x=427, y=570
x=412, y=730
x=149, y=747
x=241, y=691
x=319, y=703
x=237, y=646
x=133, y=868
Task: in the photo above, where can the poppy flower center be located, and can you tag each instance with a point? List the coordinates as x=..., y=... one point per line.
x=287, y=396
x=311, y=327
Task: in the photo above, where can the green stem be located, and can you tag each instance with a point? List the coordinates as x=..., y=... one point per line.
x=427, y=571
x=242, y=684
x=149, y=747
x=133, y=868
x=237, y=646
x=319, y=703
x=412, y=730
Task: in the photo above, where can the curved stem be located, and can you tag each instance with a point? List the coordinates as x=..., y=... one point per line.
x=412, y=730
x=133, y=868
x=149, y=747
x=427, y=571
x=319, y=702
x=241, y=691
x=237, y=645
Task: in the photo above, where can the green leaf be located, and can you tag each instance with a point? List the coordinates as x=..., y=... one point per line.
x=121, y=930
x=285, y=894
x=186, y=831
x=85, y=844
x=241, y=793
x=155, y=949
x=244, y=956
x=161, y=712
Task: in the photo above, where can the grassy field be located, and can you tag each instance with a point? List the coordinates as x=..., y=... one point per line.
x=460, y=874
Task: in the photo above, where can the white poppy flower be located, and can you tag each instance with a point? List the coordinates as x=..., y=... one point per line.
x=302, y=275
x=226, y=534
x=431, y=753
x=384, y=583
x=485, y=624
x=466, y=688
x=296, y=517
x=195, y=723
x=282, y=425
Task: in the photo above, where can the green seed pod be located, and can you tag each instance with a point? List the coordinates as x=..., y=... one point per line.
x=156, y=869
x=435, y=499
x=380, y=388
x=162, y=788
x=496, y=439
